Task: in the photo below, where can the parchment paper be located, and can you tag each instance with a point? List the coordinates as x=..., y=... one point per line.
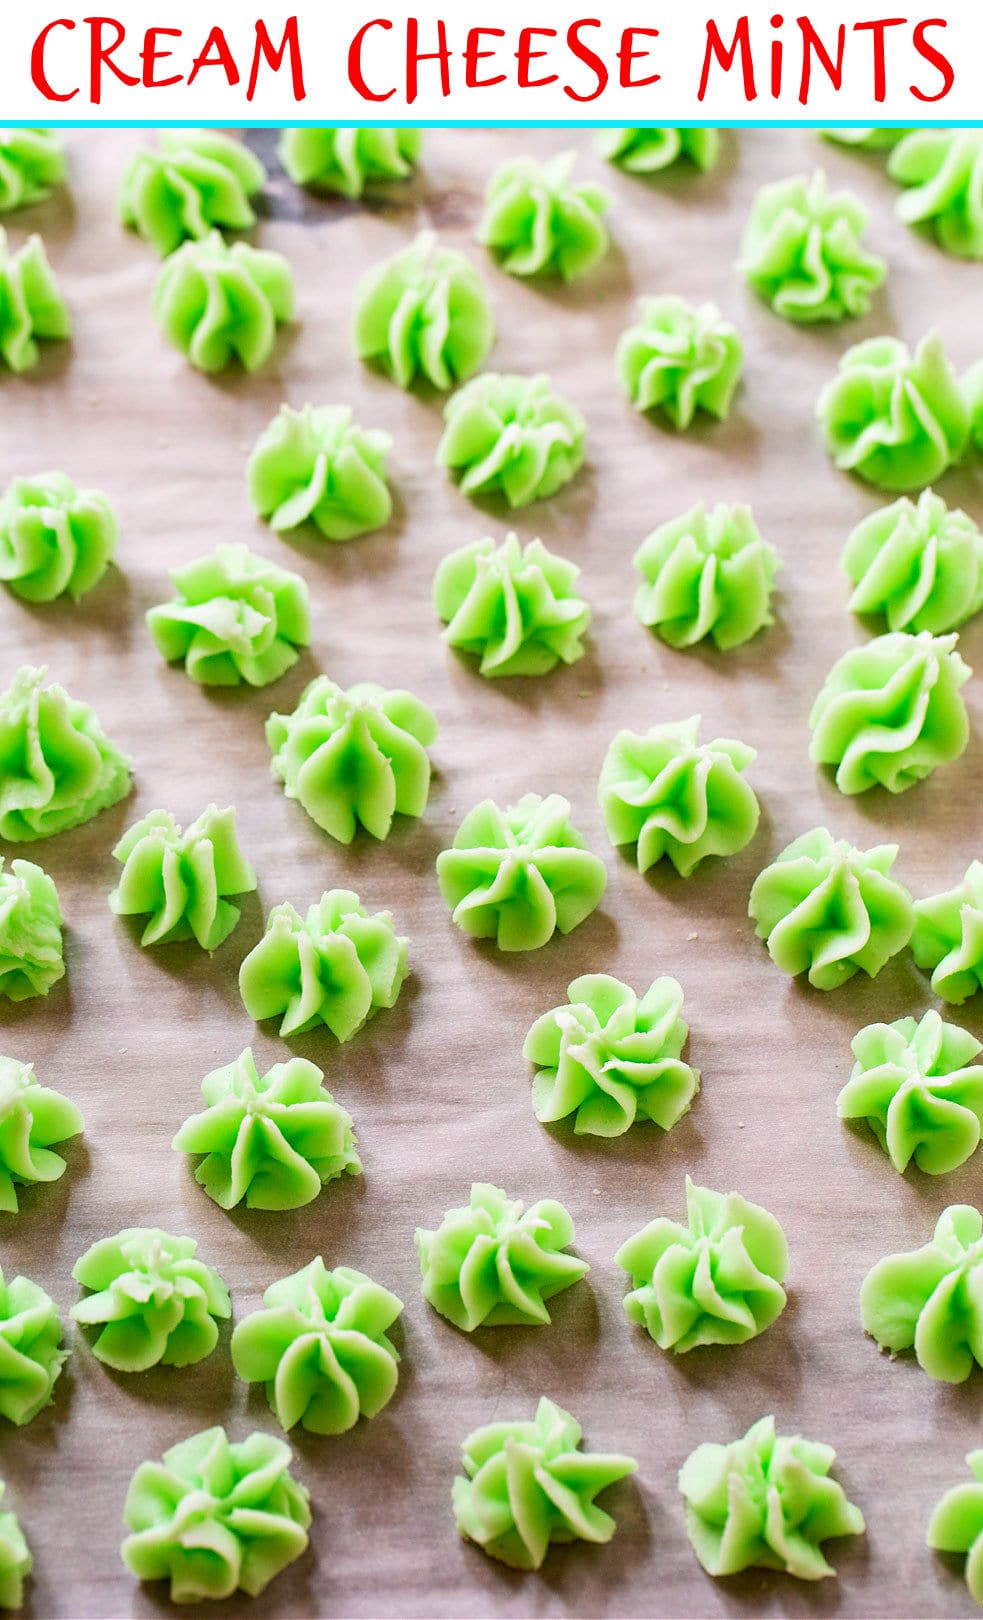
x=438, y=1087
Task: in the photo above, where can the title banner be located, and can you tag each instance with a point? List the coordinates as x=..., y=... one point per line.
x=627, y=62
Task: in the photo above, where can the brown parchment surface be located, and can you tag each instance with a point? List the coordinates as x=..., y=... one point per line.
x=438, y=1087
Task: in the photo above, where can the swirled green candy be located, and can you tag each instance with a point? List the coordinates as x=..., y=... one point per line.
x=865, y=140
x=765, y=1501
x=513, y=436
x=519, y=874
x=956, y=1526
x=31, y=946
x=57, y=766
x=515, y=608
x=31, y=952
x=336, y=966
x=55, y=540
x=648, y=151
x=218, y=303
x=716, y=1280
x=527, y=1485
x=802, y=251
x=182, y=881
x=931, y=1299
x=32, y=163
x=680, y=358
x=31, y=1353
x=609, y=1057
x=918, y=1088
x=972, y=389
x=153, y=1303
x=495, y=1263
x=706, y=573
x=948, y=937
x=215, y=1517
x=196, y=180
x=890, y=712
x=829, y=910
x=354, y=759
x=349, y=160
x=236, y=617
x=33, y=1120
x=675, y=798
x=272, y=1140
x=942, y=170
x=32, y=309
x=16, y=1562
x=894, y=418
x=539, y=222
x=919, y=564
x=424, y=313
x=317, y=466
x=320, y=1347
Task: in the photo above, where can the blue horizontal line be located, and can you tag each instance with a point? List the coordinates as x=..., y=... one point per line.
x=470, y=123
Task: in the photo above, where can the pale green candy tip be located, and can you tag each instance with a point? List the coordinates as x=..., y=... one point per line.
x=941, y=171
x=895, y=418
x=890, y=712
x=32, y=308
x=273, y=1140
x=924, y=1299
x=841, y=914
x=214, y=1476
x=55, y=540
x=218, y=303
x=150, y=1300
x=610, y=1058
x=515, y=608
x=527, y=1483
x=920, y=565
x=716, y=1280
x=512, y=436
x=320, y=1346
x=316, y=466
x=337, y=966
x=920, y=1091
x=80, y=772
x=647, y=151
x=182, y=881
x=236, y=617
x=36, y=1119
x=31, y=947
x=736, y=1497
x=32, y=163
x=31, y=1337
x=673, y=797
x=520, y=874
x=496, y=1261
x=865, y=140
x=350, y=160
x=948, y=937
x=197, y=181
x=540, y=222
x=354, y=759
x=680, y=359
x=707, y=575
x=803, y=251
x=424, y=315
x=956, y=1524
x=16, y=1562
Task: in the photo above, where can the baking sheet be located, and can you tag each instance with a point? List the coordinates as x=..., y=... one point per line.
x=438, y=1087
